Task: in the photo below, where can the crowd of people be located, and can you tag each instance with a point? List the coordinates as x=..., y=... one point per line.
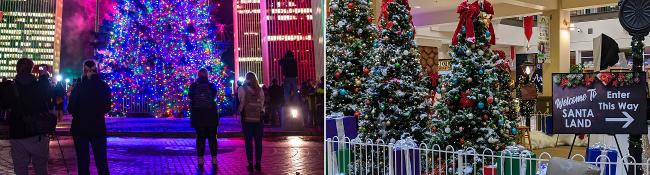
x=308, y=97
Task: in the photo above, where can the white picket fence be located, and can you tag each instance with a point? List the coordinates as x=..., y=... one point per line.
x=354, y=157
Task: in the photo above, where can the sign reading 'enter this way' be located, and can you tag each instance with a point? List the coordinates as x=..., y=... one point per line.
x=599, y=103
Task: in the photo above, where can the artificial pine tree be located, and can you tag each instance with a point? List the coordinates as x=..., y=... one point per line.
x=155, y=50
x=397, y=98
x=351, y=37
x=475, y=109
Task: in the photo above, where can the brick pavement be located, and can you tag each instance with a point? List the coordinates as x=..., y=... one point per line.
x=176, y=156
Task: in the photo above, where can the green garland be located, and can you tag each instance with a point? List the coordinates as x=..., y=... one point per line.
x=607, y=78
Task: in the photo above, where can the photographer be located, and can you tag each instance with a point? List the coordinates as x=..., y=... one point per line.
x=29, y=120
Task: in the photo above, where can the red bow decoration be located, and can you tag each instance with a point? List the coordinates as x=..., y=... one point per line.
x=384, y=9
x=489, y=9
x=466, y=12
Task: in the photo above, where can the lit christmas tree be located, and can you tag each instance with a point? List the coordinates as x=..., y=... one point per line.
x=475, y=109
x=397, y=97
x=350, y=43
x=154, y=50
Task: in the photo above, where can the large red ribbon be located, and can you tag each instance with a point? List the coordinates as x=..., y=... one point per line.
x=466, y=12
x=489, y=9
x=384, y=9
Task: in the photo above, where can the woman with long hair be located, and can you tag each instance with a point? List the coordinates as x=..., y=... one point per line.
x=251, y=107
x=205, y=115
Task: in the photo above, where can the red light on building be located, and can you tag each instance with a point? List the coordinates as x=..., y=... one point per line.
x=262, y=40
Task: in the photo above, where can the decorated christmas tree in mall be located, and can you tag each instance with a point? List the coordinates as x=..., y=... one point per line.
x=154, y=51
x=475, y=109
x=350, y=43
x=397, y=97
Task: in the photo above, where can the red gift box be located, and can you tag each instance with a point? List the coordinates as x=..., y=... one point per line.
x=489, y=170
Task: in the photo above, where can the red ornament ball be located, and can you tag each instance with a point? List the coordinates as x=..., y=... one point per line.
x=485, y=117
x=366, y=71
x=370, y=19
x=389, y=24
x=434, y=129
x=462, y=141
x=350, y=6
x=357, y=114
x=490, y=100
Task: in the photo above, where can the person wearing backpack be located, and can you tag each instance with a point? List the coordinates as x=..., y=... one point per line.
x=89, y=102
x=205, y=116
x=29, y=119
x=251, y=107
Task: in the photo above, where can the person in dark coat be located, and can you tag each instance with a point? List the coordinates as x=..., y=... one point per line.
x=90, y=100
x=275, y=101
x=290, y=71
x=57, y=99
x=27, y=95
x=205, y=116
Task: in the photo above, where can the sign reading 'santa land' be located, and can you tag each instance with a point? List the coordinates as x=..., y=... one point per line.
x=599, y=103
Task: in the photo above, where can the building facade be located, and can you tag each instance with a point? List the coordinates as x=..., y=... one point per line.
x=266, y=29
x=30, y=29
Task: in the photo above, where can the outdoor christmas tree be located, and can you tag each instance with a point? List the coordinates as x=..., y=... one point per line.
x=475, y=109
x=351, y=38
x=155, y=50
x=397, y=98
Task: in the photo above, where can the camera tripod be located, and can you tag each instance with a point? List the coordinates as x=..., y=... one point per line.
x=53, y=136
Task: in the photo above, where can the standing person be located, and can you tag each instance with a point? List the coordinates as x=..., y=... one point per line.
x=320, y=102
x=3, y=99
x=90, y=100
x=304, y=102
x=311, y=100
x=275, y=101
x=59, y=94
x=205, y=115
x=251, y=106
x=290, y=72
x=29, y=108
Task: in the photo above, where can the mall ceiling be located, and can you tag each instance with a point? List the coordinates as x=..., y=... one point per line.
x=432, y=12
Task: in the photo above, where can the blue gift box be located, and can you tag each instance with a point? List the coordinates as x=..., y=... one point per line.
x=407, y=161
x=341, y=126
x=608, y=167
x=405, y=158
x=548, y=121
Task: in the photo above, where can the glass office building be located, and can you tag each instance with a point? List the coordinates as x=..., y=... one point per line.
x=29, y=29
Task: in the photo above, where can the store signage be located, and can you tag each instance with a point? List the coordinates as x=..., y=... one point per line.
x=444, y=65
x=599, y=103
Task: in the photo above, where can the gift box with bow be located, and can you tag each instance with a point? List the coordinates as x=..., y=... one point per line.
x=516, y=160
x=604, y=157
x=405, y=158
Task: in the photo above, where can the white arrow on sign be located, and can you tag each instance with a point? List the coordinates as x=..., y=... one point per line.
x=628, y=120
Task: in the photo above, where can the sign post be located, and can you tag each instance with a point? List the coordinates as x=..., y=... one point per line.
x=599, y=103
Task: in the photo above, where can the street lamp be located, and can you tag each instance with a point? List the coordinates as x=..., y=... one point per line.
x=294, y=112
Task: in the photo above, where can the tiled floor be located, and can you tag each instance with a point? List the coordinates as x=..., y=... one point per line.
x=281, y=155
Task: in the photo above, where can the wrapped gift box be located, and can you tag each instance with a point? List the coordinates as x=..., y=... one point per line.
x=548, y=128
x=489, y=170
x=514, y=162
x=406, y=159
x=341, y=126
x=606, y=166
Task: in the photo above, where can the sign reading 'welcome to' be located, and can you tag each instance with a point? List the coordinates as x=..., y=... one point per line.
x=599, y=103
